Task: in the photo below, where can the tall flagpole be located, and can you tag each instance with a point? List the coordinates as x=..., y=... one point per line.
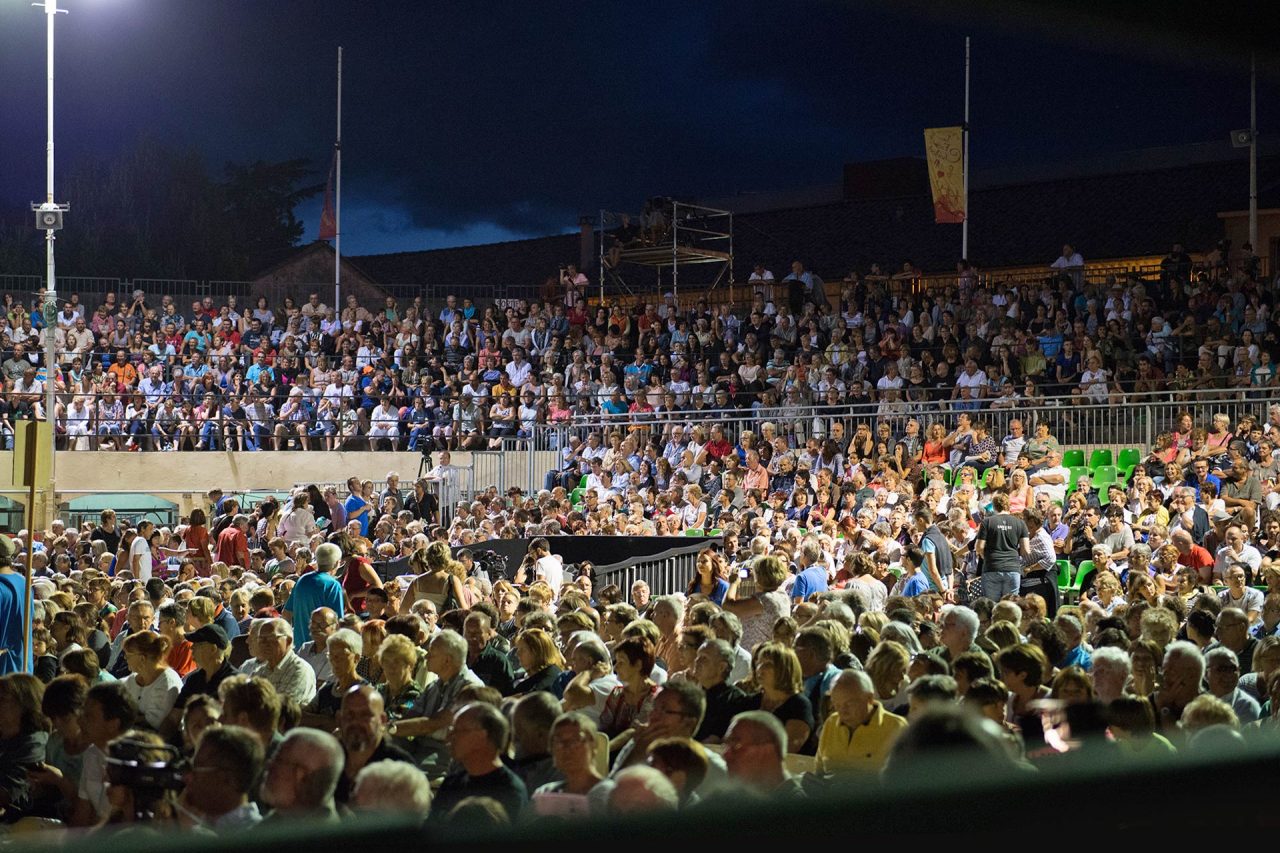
x=964, y=226
x=337, y=202
x=1253, y=153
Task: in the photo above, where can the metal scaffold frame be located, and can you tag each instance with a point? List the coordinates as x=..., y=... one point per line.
x=669, y=235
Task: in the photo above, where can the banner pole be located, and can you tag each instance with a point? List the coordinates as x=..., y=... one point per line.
x=964, y=226
x=337, y=202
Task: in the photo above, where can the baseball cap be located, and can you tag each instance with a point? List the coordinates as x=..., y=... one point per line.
x=210, y=634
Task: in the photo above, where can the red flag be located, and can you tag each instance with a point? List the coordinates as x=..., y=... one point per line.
x=328, y=217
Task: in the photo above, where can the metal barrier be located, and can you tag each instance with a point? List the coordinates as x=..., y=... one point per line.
x=1133, y=423
x=319, y=428
x=665, y=573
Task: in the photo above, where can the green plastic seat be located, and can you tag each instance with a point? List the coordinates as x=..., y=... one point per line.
x=982, y=479
x=1103, y=476
x=582, y=484
x=1075, y=473
x=1073, y=458
x=1082, y=571
x=1098, y=458
x=1128, y=459
x=696, y=531
x=1064, y=576
x=715, y=531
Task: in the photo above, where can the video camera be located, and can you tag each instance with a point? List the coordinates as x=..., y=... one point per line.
x=132, y=763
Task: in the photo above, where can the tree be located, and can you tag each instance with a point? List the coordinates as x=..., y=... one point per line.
x=260, y=199
x=154, y=211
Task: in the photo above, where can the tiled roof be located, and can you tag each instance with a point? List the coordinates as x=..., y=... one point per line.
x=516, y=264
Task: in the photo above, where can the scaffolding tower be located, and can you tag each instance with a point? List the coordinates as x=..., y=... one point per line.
x=669, y=235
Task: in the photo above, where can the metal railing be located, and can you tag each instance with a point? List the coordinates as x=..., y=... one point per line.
x=145, y=420
x=665, y=573
x=1133, y=421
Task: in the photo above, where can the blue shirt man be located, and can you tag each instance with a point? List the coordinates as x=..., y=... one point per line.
x=13, y=596
x=259, y=369
x=917, y=584
x=1051, y=344
x=1200, y=475
x=354, y=504
x=811, y=579
x=315, y=589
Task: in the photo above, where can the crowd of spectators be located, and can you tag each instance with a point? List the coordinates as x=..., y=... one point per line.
x=332, y=654
x=264, y=666
x=141, y=373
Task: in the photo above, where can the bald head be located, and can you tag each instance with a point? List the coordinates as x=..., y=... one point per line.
x=853, y=697
x=362, y=719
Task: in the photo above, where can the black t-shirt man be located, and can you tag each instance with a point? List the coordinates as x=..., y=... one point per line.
x=111, y=537
x=1001, y=537
x=501, y=783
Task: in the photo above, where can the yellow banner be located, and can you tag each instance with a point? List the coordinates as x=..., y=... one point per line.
x=944, y=147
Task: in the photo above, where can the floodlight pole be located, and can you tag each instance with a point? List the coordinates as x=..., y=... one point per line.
x=50, y=307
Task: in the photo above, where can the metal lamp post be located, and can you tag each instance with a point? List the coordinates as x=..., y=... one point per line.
x=49, y=216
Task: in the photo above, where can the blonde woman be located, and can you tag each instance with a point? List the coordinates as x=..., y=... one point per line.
x=887, y=666
x=398, y=657
x=777, y=674
x=761, y=611
x=694, y=513
x=1019, y=491
x=1107, y=592
x=435, y=581
x=541, y=660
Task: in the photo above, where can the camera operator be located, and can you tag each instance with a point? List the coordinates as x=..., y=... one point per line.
x=1082, y=535
x=143, y=780
x=108, y=712
x=422, y=503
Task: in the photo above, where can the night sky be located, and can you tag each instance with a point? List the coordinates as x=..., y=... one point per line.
x=472, y=122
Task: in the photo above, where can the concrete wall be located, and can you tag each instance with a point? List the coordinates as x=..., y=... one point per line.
x=184, y=478
x=199, y=472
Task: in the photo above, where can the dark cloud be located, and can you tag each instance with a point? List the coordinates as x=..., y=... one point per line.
x=511, y=119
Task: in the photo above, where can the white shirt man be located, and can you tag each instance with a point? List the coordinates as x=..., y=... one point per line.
x=447, y=474
x=551, y=569
x=140, y=552
x=1069, y=259
x=519, y=370
x=1012, y=445
x=335, y=391
x=891, y=381
x=32, y=388
x=384, y=422
x=289, y=674
x=1236, y=551
x=1051, y=481
x=972, y=378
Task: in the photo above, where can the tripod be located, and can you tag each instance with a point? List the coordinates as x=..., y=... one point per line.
x=424, y=464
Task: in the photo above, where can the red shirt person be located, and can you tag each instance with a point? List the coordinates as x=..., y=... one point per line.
x=233, y=543
x=1193, y=555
